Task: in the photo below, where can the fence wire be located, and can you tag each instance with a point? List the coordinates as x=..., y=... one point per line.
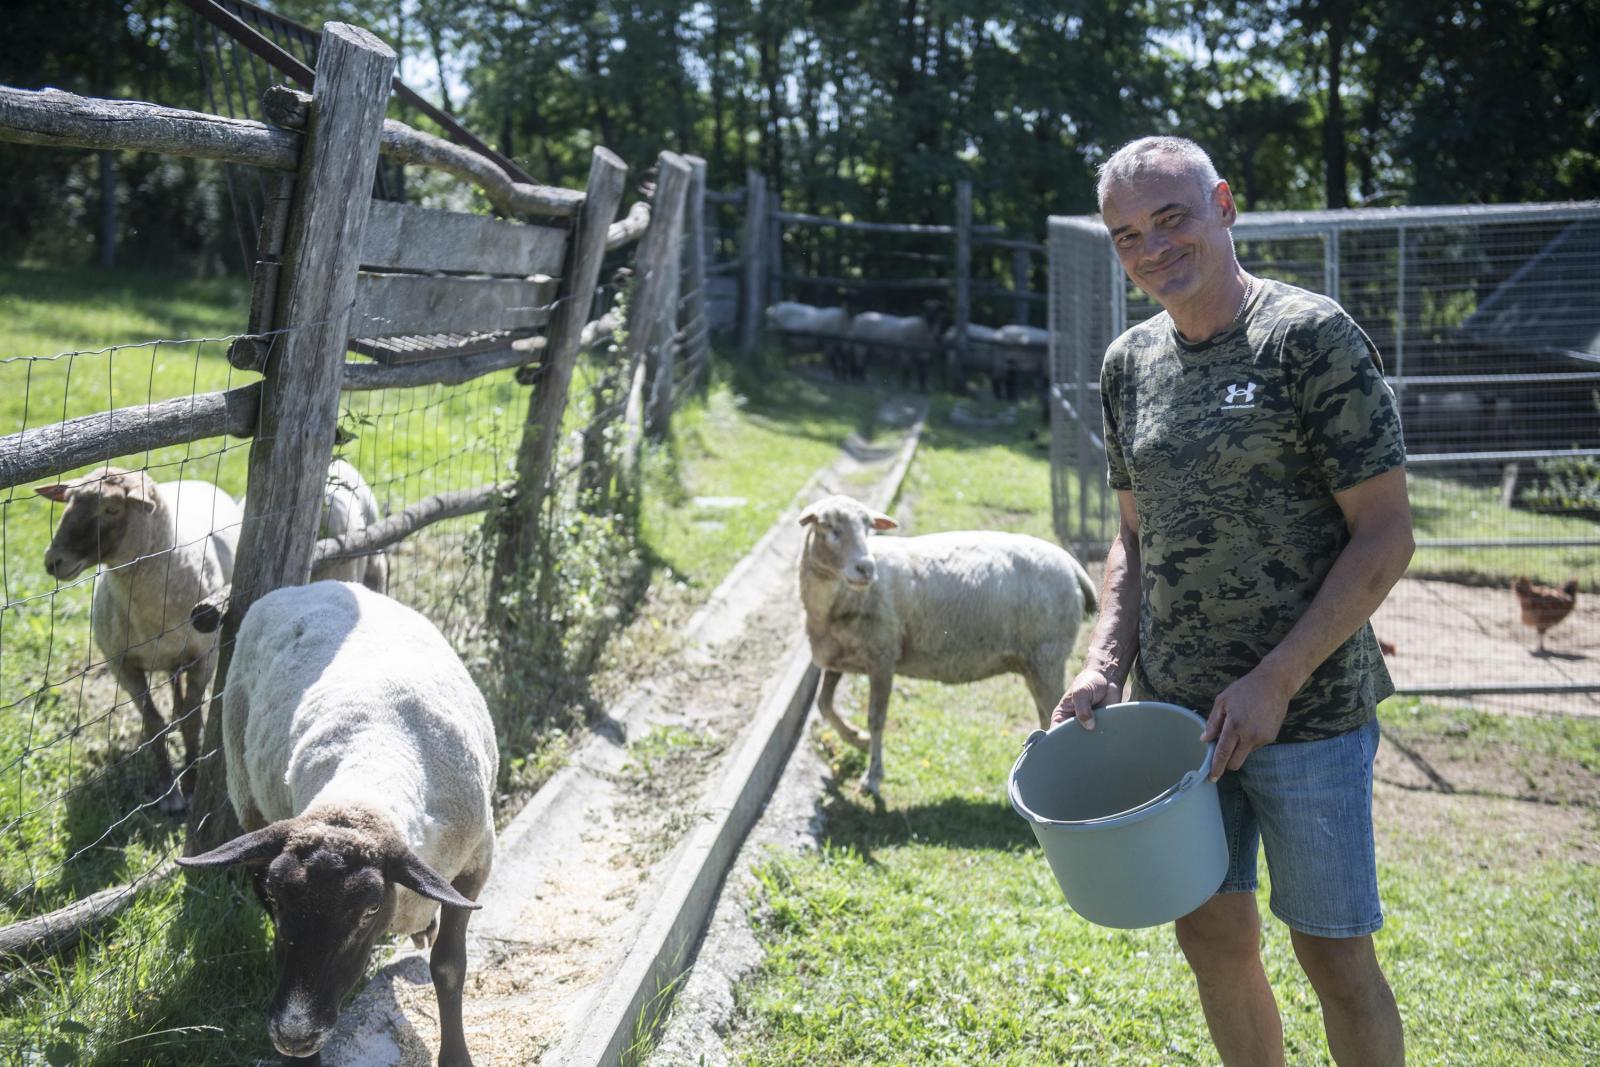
x=1488, y=322
x=82, y=805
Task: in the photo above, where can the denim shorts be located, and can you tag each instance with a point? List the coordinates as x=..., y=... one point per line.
x=1309, y=803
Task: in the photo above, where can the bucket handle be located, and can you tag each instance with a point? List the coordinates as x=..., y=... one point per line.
x=1188, y=781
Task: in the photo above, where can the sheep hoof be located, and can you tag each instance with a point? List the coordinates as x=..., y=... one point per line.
x=869, y=786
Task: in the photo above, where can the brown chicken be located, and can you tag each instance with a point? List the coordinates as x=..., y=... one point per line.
x=1544, y=606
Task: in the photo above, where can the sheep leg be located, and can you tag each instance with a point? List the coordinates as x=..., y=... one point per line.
x=1045, y=677
x=377, y=576
x=196, y=679
x=877, y=715
x=152, y=735
x=830, y=682
x=448, y=964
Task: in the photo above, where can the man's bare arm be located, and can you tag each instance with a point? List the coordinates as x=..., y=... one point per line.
x=1115, y=639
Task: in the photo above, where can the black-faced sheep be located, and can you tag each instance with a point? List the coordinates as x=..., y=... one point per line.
x=806, y=328
x=361, y=763
x=950, y=607
x=912, y=339
x=164, y=546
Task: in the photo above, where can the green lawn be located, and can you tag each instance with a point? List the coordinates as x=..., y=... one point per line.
x=932, y=932
x=1447, y=509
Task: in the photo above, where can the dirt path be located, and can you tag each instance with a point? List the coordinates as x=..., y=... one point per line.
x=1445, y=634
x=577, y=868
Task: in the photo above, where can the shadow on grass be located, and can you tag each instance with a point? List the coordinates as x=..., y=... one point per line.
x=856, y=822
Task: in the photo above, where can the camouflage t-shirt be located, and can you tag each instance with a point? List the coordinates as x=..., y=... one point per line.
x=1233, y=449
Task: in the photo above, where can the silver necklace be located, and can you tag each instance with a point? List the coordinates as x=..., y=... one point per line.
x=1249, y=284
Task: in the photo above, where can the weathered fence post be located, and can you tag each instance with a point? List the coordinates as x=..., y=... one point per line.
x=752, y=279
x=660, y=260
x=519, y=535
x=963, y=308
x=696, y=327
x=300, y=387
x=774, y=252
x=1021, y=264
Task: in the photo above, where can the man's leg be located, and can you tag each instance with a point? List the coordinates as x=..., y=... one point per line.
x=1222, y=941
x=1359, y=1012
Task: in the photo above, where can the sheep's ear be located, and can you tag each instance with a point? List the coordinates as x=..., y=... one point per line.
x=140, y=488
x=410, y=871
x=252, y=850
x=57, y=492
x=880, y=521
x=808, y=516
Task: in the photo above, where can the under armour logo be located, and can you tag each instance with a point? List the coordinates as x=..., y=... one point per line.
x=1240, y=396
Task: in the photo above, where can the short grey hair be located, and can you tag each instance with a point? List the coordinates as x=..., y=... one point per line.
x=1150, y=153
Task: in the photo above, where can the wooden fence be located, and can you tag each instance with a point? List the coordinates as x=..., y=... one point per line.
x=977, y=258
x=429, y=297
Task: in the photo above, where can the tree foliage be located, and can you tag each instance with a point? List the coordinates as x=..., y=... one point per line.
x=874, y=109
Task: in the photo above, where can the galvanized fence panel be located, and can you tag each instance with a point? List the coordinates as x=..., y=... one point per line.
x=1488, y=322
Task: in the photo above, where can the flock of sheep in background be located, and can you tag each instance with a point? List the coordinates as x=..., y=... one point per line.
x=361, y=757
x=1012, y=356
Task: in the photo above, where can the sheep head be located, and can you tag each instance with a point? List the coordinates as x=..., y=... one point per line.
x=94, y=526
x=328, y=878
x=836, y=545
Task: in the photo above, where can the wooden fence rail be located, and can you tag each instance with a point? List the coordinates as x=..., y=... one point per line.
x=456, y=295
x=763, y=279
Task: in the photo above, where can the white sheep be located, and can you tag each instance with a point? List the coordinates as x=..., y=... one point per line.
x=361, y=762
x=1020, y=352
x=951, y=607
x=164, y=546
x=807, y=328
x=912, y=339
x=349, y=505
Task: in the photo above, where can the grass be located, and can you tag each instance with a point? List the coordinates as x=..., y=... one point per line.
x=932, y=932
x=184, y=973
x=754, y=443
x=1445, y=508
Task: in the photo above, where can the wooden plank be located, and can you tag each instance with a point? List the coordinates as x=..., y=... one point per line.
x=52, y=934
x=963, y=268
x=396, y=304
x=360, y=377
x=802, y=219
x=403, y=144
x=652, y=320
x=519, y=539
x=1004, y=242
x=49, y=451
x=752, y=258
x=396, y=528
x=300, y=387
x=403, y=237
x=433, y=347
x=629, y=228
x=66, y=120
x=816, y=281
x=694, y=264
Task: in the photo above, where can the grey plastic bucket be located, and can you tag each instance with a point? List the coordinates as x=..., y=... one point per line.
x=1131, y=827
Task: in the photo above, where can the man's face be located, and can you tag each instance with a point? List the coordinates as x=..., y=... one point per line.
x=1172, y=240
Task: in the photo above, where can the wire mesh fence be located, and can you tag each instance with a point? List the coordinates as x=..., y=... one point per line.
x=1488, y=322
x=102, y=678
x=433, y=430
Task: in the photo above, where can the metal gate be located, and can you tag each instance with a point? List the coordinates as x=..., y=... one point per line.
x=1488, y=321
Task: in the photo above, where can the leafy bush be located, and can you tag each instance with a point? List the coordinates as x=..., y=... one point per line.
x=1566, y=486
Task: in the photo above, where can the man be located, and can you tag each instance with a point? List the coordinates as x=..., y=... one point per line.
x=1256, y=456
